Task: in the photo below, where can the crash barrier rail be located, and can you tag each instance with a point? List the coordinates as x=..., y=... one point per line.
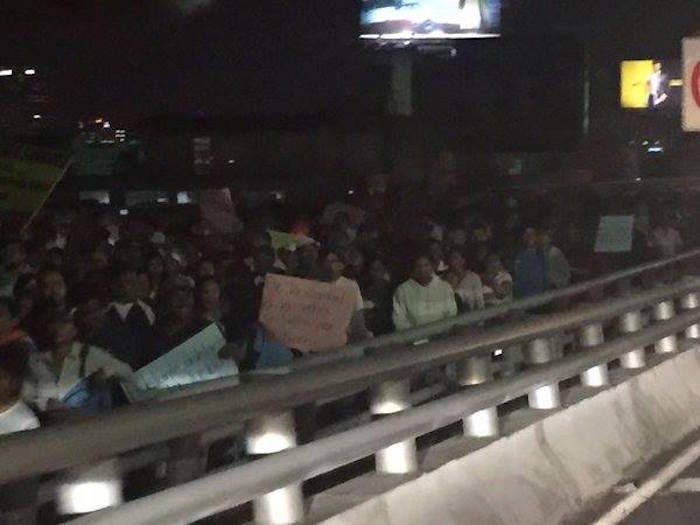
x=87, y=452
x=274, y=482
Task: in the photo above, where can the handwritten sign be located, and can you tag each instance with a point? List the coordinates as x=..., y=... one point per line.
x=306, y=315
x=194, y=361
x=615, y=234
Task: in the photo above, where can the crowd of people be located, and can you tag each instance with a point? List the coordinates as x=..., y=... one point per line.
x=94, y=295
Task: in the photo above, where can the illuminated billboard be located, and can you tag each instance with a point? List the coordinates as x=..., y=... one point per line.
x=429, y=19
x=650, y=84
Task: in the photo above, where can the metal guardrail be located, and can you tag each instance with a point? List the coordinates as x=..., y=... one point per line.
x=210, y=495
x=386, y=369
x=63, y=446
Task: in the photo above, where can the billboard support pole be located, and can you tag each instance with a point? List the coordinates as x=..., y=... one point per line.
x=401, y=101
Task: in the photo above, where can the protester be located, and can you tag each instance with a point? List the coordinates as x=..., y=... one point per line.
x=377, y=292
x=176, y=321
x=469, y=287
x=208, y=301
x=10, y=331
x=498, y=283
x=15, y=415
x=424, y=298
x=70, y=373
x=128, y=326
x=333, y=267
x=558, y=270
x=530, y=268
x=14, y=264
x=664, y=239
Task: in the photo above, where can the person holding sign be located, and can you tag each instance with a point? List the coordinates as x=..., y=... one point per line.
x=72, y=374
x=424, y=298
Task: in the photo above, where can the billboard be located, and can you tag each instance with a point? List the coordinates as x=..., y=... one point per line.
x=651, y=84
x=429, y=19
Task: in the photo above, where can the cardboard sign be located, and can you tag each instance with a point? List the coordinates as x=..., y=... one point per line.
x=28, y=175
x=194, y=361
x=615, y=234
x=306, y=315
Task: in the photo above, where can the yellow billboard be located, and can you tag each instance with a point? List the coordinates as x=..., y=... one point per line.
x=649, y=84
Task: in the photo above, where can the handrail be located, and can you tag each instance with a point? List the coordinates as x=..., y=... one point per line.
x=52, y=449
x=444, y=326
x=218, y=492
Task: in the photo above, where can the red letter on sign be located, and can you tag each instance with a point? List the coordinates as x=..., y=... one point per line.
x=695, y=87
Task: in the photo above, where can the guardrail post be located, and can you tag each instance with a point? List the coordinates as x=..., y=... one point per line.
x=88, y=489
x=472, y=371
x=591, y=336
x=691, y=301
x=188, y=460
x=389, y=398
x=267, y=435
x=664, y=311
x=629, y=323
x=539, y=352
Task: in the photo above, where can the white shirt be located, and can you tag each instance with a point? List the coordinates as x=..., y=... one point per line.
x=417, y=305
x=43, y=385
x=499, y=279
x=17, y=418
x=471, y=291
x=352, y=286
x=123, y=310
x=666, y=240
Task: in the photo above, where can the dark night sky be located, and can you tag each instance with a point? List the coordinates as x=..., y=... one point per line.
x=271, y=56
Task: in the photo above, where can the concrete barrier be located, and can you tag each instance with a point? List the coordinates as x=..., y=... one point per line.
x=550, y=470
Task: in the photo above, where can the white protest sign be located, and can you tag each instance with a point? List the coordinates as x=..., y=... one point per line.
x=615, y=234
x=194, y=361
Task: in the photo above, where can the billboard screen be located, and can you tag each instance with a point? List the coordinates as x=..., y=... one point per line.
x=651, y=84
x=430, y=19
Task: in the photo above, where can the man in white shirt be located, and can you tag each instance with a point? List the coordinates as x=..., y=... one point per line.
x=56, y=373
x=424, y=298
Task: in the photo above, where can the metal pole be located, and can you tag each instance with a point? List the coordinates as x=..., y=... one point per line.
x=690, y=302
x=390, y=398
x=591, y=336
x=539, y=352
x=629, y=323
x=664, y=311
x=476, y=370
x=401, y=102
x=267, y=435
